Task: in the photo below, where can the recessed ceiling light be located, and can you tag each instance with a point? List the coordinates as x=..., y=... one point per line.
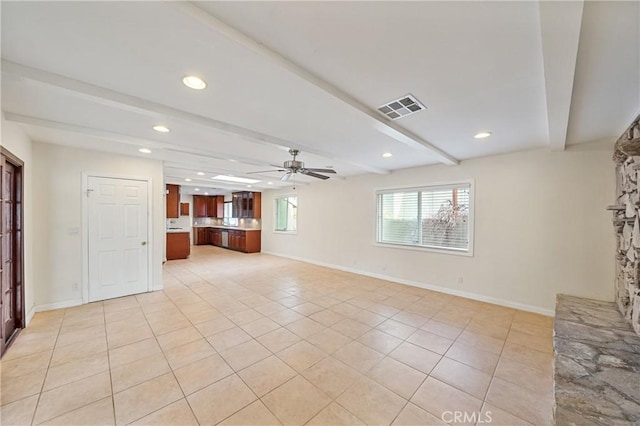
x=269, y=183
x=187, y=180
x=248, y=186
x=162, y=129
x=387, y=155
x=482, y=135
x=200, y=173
x=194, y=82
x=145, y=150
x=232, y=160
x=229, y=178
x=206, y=193
x=197, y=189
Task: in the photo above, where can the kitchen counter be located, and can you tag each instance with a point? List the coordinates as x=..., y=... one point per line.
x=236, y=228
x=178, y=230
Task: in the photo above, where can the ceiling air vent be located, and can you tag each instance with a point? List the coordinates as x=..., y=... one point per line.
x=401, y=107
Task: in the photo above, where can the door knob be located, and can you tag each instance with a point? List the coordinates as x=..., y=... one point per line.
x=144, y=243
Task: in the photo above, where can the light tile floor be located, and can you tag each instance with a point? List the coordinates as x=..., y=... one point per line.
x=243, y=339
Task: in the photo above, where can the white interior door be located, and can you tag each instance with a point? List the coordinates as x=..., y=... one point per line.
x=118, y=245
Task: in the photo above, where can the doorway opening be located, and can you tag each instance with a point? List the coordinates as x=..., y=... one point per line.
x=12, y=318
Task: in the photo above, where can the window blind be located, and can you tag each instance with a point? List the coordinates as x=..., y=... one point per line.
x=434, y=217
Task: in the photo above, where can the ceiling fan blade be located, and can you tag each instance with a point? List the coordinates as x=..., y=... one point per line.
x=312, y=174
x=286, y=177
x=266, y=171
x=320, y=170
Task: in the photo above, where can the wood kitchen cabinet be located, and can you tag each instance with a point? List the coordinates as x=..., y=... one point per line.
x=216, y=237
x=245, y=241
x=247, y=204
x=173, y=201
x=184, y=209
x=200, y=206
x=239, y=240
x=208, y=206
x=178, y=245
x=212, y=210
x=220, y=206
x=201, y=236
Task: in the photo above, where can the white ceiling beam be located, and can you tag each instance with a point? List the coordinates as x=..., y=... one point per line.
x=185, y=167
x=382, y=124
x=126, y=139
x=560, y=23
x=179, y=171
x=152, y=109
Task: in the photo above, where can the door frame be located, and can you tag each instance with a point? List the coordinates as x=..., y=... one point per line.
x=21, y=320
x=85, y=227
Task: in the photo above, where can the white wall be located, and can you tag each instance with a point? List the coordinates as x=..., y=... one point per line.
x=540, y=227
x=58, y=208
x=17, y=142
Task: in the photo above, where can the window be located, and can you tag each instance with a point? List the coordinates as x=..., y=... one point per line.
x=436, y=217
x=286, y=213
x=228, y=212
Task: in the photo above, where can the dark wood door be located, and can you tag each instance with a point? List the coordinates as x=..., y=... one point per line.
x=11, y=284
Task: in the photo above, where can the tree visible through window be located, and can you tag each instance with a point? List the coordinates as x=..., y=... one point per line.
x=434, y=217
x=286, y=213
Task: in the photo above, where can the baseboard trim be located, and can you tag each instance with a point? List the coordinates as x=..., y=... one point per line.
x=440, y=289
x=59, y=305
x=30, y=315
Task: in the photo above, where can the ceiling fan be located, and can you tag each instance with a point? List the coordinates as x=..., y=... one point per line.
x=294, y=166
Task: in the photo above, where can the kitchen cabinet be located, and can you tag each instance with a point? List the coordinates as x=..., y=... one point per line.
x=245, y=241
x=246, y=204
x=178, y=245
x=208, y=206
x=200, y=206
x=239, y=240
x=201, y=236
x=184, y=209
x=216, y=237
x=173, y=201
x=252, y=241
x=220, y=206
x=212, y=210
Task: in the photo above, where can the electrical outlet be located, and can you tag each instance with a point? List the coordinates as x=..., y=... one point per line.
x=74, y=286
x=460, y=280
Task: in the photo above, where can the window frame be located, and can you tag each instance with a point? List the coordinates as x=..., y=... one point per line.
x=275, y=213
x=427, y=187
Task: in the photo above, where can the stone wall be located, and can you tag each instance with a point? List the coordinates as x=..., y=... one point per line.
x=626, y=220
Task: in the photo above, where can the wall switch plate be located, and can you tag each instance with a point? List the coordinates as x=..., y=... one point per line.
x=73, y=231
x=460, y=280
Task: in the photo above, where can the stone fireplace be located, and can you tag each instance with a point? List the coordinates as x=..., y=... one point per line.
x=596, y=343
x=626, y=221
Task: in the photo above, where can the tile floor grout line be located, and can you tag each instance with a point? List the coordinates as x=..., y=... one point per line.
x=493, y=377
x=35, y=410
x=113, y=399
x=73, y=381
x=184, y=396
